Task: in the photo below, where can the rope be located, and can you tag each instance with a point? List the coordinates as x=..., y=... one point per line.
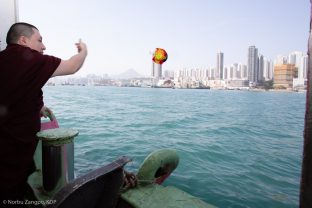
x=130, y=181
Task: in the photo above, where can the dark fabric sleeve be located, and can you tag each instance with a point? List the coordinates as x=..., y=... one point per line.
x=41, y=70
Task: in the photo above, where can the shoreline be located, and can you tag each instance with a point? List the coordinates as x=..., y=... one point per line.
x=229, y=89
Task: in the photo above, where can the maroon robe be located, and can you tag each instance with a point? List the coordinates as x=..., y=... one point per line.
x=23, y=72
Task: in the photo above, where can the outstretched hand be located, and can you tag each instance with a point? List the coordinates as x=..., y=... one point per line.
x=81, y=46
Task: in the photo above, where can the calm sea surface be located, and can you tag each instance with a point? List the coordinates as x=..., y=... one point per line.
x=236, y=148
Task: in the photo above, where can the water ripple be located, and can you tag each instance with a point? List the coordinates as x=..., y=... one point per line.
x=236, y=148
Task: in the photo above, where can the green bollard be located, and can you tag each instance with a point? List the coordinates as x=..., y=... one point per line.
x=57, y=157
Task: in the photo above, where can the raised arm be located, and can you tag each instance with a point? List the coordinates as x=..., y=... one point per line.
x=73, y=64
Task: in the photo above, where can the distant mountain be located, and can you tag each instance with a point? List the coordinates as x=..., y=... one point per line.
x=128, y=74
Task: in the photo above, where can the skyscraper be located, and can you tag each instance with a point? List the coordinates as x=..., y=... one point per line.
x=260, y=69
x=156, y=71
x=304, y=66
x=298, y=58
x=280, y=59
x=219, y=68
x=267, y=69
x=252, y=64
x=243, y=71
x=153, y=70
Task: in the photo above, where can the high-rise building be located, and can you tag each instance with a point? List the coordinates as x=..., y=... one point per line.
x=295, y=58
x=243, y=71
x=252, y=64
x=231, y=72
x=284, y=75
x=304, y=67
x=236, y=74
x=168, y=74
x=156, y=71
x=298, y=58
x=260, y=69
x=225, y=72
x=219, y=67
x=212, y=73
x=280, y=59
x=153, y=70
x=267, y=69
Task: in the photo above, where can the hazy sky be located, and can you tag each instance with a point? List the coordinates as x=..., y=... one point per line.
x=122, y=34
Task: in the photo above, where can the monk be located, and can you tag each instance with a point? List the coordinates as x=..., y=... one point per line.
x=24, y=70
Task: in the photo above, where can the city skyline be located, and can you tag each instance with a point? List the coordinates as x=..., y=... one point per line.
x=230, y=71
x=121, y=36
x=262, y=69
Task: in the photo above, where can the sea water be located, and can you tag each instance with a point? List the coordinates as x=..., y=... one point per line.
x=236, y=148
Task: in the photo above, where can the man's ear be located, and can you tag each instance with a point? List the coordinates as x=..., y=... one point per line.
x=22, y=41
